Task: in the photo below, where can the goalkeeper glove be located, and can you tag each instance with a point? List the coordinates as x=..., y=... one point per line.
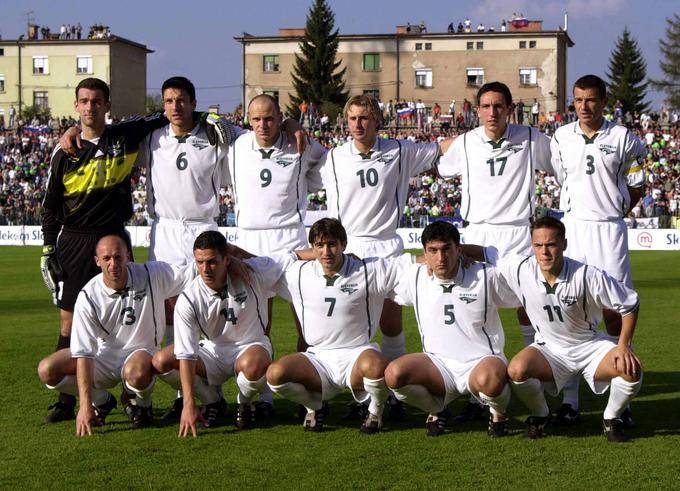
x=218, y=129
x=51, y=271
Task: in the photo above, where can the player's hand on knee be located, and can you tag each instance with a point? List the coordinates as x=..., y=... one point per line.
x=70, y=141
x=626, y=361
x=219, y=130
x=51, y=271
x=85, y=420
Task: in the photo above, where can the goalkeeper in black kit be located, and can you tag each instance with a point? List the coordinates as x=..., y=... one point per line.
x=88, y=196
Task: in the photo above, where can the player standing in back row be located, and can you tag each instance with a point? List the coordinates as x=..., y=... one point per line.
x=366, y=183
x=599, y=165
x=498, y=162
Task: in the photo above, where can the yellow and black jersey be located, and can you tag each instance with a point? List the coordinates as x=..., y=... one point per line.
x=91, y=191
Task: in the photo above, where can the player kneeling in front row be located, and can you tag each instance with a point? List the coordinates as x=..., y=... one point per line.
x=231, y=316
x=564, y=299
x=338, y=300
x=117, y=327
x=461, y=332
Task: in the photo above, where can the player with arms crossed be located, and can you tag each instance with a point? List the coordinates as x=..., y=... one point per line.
x=460, y=330
x=366, y=184
x=498, y=162
x=599, y=165
x=88, y=196
x=117, y=327
x=338, y=299
x=564, y=298
x=220, y=325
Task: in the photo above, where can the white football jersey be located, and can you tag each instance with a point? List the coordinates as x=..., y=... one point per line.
x=457, y=318
x=499, y=180
x=342, y=311
x=367, y=192
x=184, y=174
x=235, y=315
x=595, y=173
x=129, y=319
x=569, y=312
x=271, y=184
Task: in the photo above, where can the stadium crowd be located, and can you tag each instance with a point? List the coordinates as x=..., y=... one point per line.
x=26, y=148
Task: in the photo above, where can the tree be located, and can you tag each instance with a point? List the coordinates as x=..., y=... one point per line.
x=670, y=63
x=627, y=75
x=153, y=103
x=316, y=77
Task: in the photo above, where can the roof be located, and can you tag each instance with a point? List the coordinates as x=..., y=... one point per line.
x=110, y=40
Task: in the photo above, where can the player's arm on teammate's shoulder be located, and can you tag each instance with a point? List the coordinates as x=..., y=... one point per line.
x=295, y=133
x=445, y=144
x=86, y=417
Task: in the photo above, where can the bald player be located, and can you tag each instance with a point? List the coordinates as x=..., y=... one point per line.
x=117, y=327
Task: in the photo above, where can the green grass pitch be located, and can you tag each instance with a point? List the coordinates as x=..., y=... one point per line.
x=37, y=456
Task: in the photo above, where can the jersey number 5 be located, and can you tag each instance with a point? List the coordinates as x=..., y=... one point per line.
x=449, y=316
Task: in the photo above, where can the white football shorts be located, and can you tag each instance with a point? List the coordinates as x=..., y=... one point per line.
x=172, y=241
x=219, y=359
x=272, y=241
x=507, y=239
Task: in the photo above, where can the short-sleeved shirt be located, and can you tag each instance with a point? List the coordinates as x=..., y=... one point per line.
x=367, y=192
x=271, y=184
x=129, y=319
x=236, y=315
x=342, y=311
x=498, y=177
x=567, y=313
x=595, y=173
x=457, y=318
x=185, y=174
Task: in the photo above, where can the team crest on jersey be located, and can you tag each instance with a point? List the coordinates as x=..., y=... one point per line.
x=349, y=288
x=607, y=149
x=115, y=148
x=387, y=159
x=285, y=161
x=139, y=295
x=569, y=300
x=199, y=143
x=515, y=147
x=241, y=297
x=467, y=297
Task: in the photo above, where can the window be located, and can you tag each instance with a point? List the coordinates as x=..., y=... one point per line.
x=2, y=83
x=527, y=76
x=424, y=77
x=2, y=51
x=373, y=92
x=480, y=44
x=40, y=99
x=419, y=46
x=532, y=44
x=41, y=65
x=371, y=62
x=273, y=93
x=428, y=46
x=475, y=76
x=270, y=63
x=470, y=45
x=84, y=64
x=522, y=45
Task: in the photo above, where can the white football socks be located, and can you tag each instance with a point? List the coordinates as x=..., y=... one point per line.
x=621, y=393
x=296, y=392
x=530, y=392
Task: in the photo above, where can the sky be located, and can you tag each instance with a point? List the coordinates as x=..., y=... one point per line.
x=195, y=39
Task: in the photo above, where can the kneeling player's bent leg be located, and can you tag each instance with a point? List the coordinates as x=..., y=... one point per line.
x=138, y=376
x=164, y=360
x=295, y=378
x=625, y=372
x=53, y=368
x=415, y=380
x=251, y=367
x=488, y=381
x=526, y=370
x=368, y=373
x=393, y=343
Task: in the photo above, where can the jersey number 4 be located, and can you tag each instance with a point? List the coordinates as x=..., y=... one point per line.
x=228, y=314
